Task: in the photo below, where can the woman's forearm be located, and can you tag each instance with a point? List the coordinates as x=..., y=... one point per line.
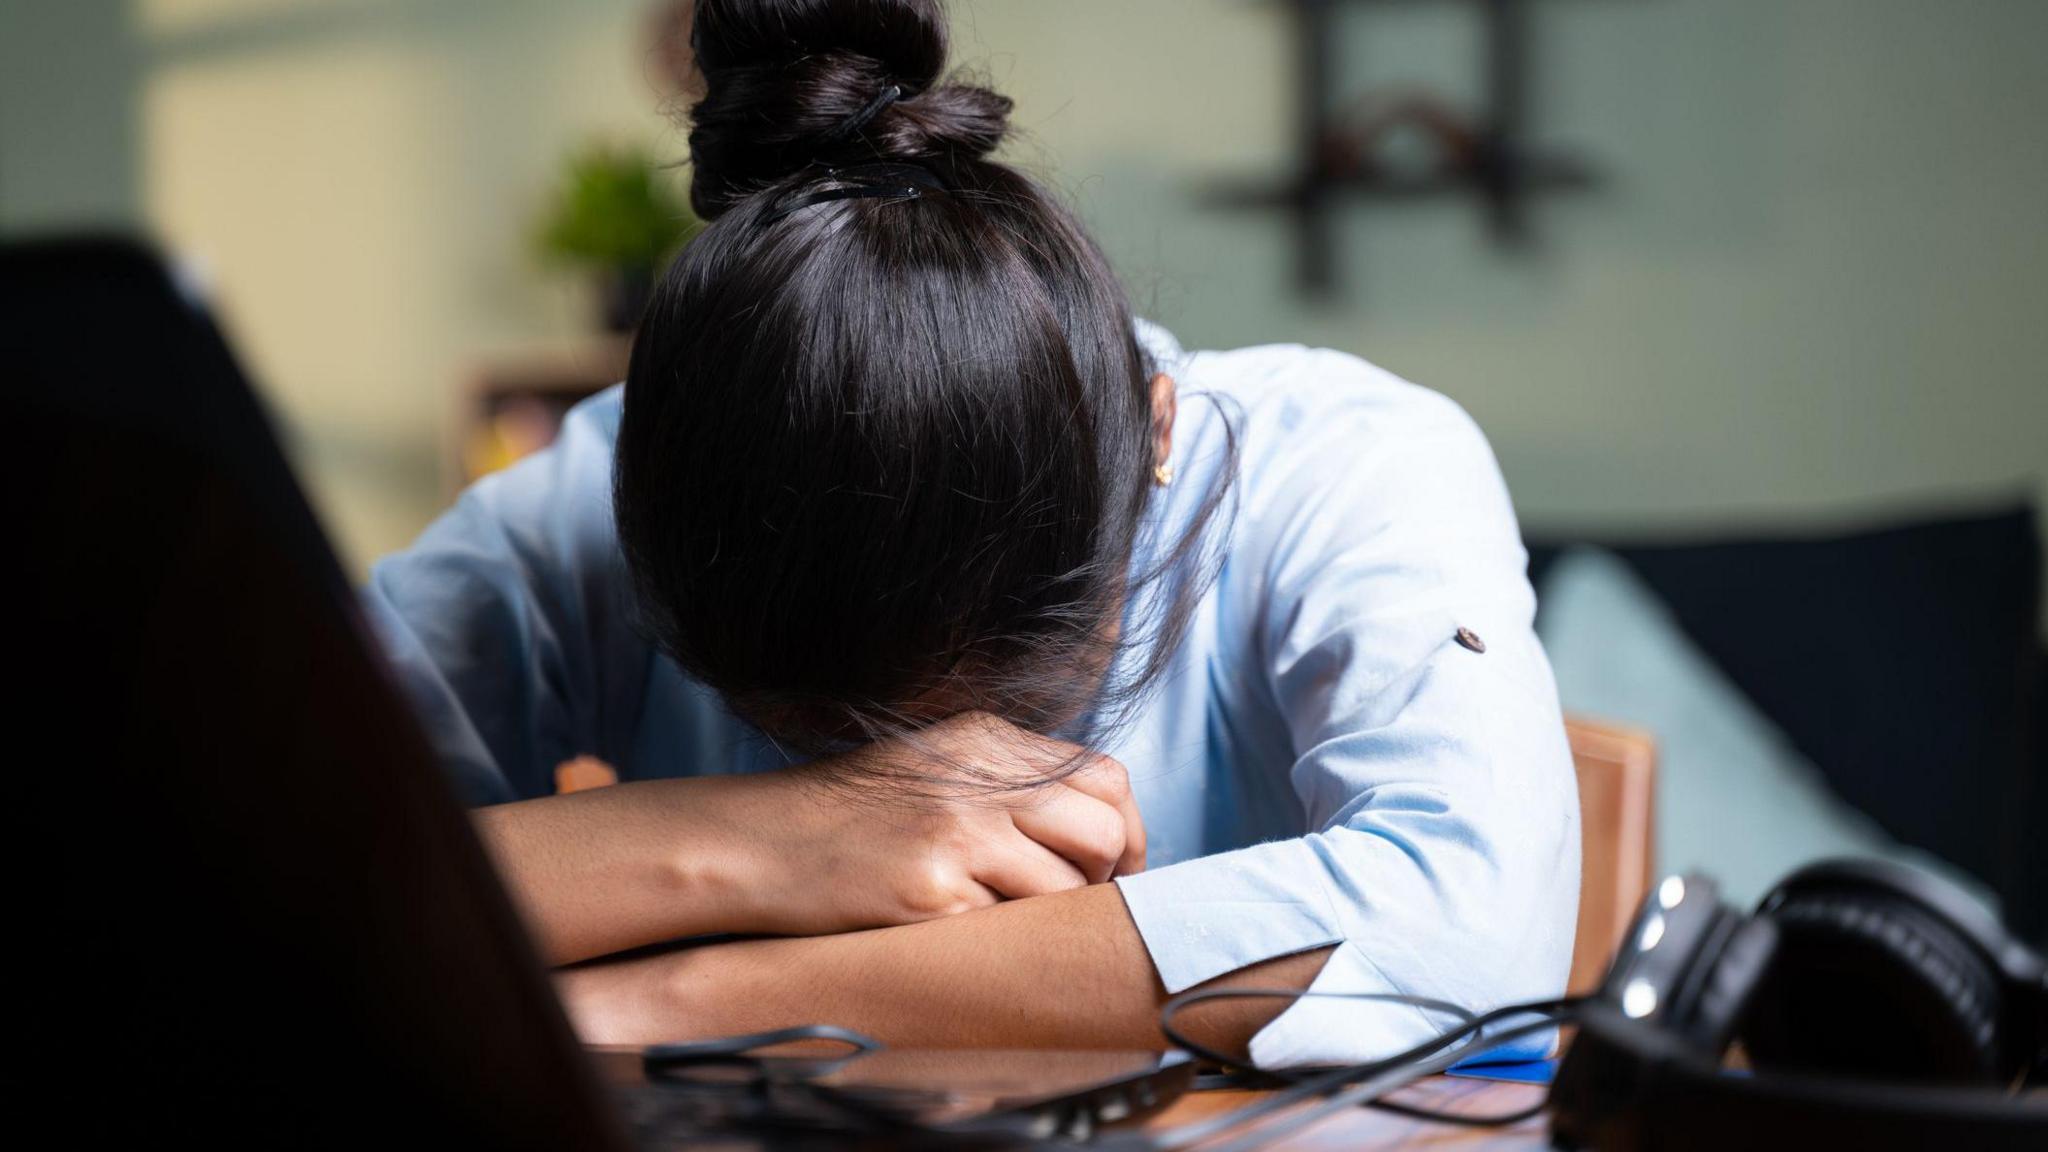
x=801, y=852
x=1064, y=970
x=616, y=868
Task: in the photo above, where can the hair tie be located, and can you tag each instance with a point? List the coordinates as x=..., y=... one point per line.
x=852, y=125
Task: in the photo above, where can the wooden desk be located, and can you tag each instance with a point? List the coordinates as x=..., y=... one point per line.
x=1369, y=1129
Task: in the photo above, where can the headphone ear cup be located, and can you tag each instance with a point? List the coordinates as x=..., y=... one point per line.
x=1720, y=994
x=1867, y=983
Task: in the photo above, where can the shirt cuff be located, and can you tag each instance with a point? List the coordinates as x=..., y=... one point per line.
x=1202, y=918
x=1327, y=1029
x=1333, y=1029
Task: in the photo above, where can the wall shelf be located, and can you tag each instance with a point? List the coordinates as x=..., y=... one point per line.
x=1493, y=164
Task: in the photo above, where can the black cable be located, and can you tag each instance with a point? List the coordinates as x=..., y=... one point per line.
x=1554, y=1012
x=1254, y=1077
x=1494, y=1120
x=1366, y=1092
x=742, y=1051
x=1424, y=1055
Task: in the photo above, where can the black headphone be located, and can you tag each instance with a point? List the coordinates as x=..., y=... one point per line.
x=1875, y=1007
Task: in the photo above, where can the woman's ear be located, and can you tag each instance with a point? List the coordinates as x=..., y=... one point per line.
x=1165, y=405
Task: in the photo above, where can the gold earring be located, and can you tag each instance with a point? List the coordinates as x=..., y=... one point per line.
x=1162, y=475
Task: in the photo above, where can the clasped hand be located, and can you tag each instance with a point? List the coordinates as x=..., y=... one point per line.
x=963, y=814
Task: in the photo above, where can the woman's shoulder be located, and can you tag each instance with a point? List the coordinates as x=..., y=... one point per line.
x=543, y=522
x=574, y=469
x=1293, y=388
x=1345, y=476
x=597, y=416
x=1292, y=412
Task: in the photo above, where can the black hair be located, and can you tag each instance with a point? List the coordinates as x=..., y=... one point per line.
x=886, y=449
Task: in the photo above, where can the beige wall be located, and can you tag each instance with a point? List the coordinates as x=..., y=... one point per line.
x=1812, y=289
x=360, y=178
x=357, y=180
x=1814, y=286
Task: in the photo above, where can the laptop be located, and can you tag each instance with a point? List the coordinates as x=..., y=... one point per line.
x=246, y=907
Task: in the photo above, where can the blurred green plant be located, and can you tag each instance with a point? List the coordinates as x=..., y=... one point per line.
x=618, y=214
x=616, y=209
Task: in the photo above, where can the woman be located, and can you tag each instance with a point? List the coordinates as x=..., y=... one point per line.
x=915, y=591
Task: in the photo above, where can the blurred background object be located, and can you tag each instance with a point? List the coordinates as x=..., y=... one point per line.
x=1395, y=147
x=1782, y=364
x=618, y=217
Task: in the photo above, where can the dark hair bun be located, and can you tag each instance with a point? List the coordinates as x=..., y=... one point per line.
x=780, y=76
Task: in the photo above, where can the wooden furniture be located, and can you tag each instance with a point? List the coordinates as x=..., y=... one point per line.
x=512, y=408
x=1617, y=771
x=582, y=774
x=1369, y=1129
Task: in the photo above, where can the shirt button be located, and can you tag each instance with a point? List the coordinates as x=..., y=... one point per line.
x=1467, y=638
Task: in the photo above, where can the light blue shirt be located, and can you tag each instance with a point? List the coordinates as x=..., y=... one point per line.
x=1324, y=763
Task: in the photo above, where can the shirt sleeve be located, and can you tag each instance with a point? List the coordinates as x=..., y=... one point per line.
x=507, y=621
x=1441, y=852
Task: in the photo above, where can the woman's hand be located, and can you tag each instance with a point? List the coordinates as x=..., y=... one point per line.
x=848, y=844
